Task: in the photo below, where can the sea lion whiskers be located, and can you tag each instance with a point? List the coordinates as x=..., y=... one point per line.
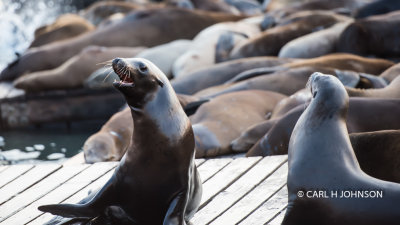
x=110, y=68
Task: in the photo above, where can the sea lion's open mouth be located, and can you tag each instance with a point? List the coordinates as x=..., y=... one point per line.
x=124, y=73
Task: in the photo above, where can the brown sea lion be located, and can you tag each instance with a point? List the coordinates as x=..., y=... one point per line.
x=365, y=115
x=364, y=36
x=315, y=44
x=378, y=153
x=390, y=91
x=391, y=73
x=101, y=10
x=201, y=54
x=269, y=42
x=66, y=26
x=157, y=26
x=74, y=71
x=376, y=8
x=112, y=141
x=157, y=181
x=222, y=119
x=221, y=72
x=321, y=158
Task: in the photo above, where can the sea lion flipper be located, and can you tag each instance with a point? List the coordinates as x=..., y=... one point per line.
x=176, y=211
x=89, y=207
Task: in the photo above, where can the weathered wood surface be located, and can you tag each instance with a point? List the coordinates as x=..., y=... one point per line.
x=236, y=190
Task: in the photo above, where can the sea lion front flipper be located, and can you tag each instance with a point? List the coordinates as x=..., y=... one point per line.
x=176, y=211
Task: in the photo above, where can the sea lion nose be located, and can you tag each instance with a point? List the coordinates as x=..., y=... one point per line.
x=116, y=61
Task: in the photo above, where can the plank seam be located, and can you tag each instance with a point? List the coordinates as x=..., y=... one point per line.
x=31, y=185
x=276, y=215
x=74, y=193
x=280, y=188
x=41, y=196
x=255, y=186
x=17, y=176
x=229, y=184
x=217, y=172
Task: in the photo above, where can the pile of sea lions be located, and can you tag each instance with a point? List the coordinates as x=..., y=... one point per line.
x=315, y=79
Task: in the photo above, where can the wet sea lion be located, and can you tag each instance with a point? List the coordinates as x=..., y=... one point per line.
x=390, y=91
x=74, y=71
x=364, y=36
x=222, y=119
x=219, y=73
x=376, y=8
x=269, y=42
x=101, y=10
x=157, y=26
x=157, y=181
x=113, y=139
x=201, y=53
x=321, y=158
x=315, y=44
x=365, y=114
x=391, y=73
x=66, y=26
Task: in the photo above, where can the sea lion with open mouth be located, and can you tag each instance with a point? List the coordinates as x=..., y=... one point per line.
x=157, y=181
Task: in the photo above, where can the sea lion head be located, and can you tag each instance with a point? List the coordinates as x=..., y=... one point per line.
x=139, y=80
x=329, y=94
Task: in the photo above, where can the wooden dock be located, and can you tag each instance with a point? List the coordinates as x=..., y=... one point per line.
x=235, y=190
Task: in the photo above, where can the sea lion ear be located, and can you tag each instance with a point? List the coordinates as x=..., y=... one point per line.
x=159, y=82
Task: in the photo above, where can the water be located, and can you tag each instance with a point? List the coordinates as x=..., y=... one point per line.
x=55, y=142
x=19, y=20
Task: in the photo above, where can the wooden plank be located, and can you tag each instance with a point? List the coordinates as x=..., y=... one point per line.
x=226, y=176
x=255, y=198
x=211, y=167
x=269, y=210
x=23, y=182
x=61, y=193
x=76, y=197
x=199, y=161
x=237, y=190
x=39, y=190
x=12, y=173
x=2, y=168
x=278, y=219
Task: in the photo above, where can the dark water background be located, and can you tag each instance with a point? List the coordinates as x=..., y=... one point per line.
x=18, y=21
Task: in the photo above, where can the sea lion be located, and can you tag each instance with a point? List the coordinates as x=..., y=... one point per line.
x=362, y=117
x=157, y=26
x=219, y=73
x=100, y=11
x=285, y=81
x=269, y=42
x=363, y=36
x=201, y=53
x=113, y=139
x=74, y=71
x=315, y=44
x=66, y=26
x=378, y=153
x=321, y=158
x=163, y=56
x=157, y=181
x=390, y=91
x=222, y=119
x=340, y=61
x=376, y=8
x=391, y=73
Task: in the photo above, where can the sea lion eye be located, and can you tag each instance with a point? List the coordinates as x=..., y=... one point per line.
x=315, y=94
x=142, y=68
